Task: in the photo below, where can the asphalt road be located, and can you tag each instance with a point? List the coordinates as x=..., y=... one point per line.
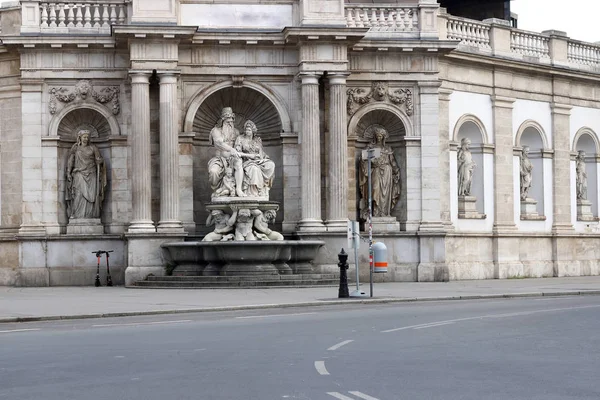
x=537, y=348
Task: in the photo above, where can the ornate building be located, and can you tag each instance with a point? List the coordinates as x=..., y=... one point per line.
x=106, y=110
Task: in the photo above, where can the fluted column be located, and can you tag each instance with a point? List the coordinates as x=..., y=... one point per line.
x=337, y=152
x=140, y=152
x=311, y=161
x=169, y=155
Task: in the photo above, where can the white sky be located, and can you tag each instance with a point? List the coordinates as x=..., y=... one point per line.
x=579, y=18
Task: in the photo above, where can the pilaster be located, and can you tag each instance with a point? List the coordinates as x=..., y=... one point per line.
x=561, y=193
x=444, y=157
x=31, y=150
x=337, y=193
x=169, y=154
x=310, y=161
x=504, y=219
x=140, y=149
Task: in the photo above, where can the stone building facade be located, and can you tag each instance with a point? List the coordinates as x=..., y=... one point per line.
x=147, y=79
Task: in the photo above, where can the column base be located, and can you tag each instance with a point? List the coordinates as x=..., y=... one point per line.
x=565, y=229
x=311, y=225
x=172, y=226
x=141, y=227
x=337, y=225
x=431, y=226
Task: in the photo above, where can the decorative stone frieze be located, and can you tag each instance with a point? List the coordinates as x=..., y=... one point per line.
x=84, y=91
x=357, y=97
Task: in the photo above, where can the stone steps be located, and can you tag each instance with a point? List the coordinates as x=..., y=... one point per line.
x=246, y=282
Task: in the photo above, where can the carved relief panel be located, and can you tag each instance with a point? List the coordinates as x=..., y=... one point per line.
x=85, y=92
x=380, y=92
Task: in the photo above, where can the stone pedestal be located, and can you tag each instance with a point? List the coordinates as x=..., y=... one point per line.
x=85, y=226
x=384, y=224
x=584, y=211
x=467, y=208
x=529, y=211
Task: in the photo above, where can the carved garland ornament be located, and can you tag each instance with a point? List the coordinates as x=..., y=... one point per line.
x=82, y=90
x=357, y=97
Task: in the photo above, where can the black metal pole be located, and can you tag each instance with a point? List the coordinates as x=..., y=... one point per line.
x=343, y=264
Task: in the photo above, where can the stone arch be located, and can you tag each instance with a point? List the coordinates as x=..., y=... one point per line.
x=528, y=126
x=582, y=133
x=72, y=114
x=202, y=95
x=374, y=108
x=470, y=119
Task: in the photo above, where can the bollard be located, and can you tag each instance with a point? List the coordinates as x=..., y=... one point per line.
x=343, y=264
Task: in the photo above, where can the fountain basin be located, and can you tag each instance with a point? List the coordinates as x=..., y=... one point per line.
x=243, y=258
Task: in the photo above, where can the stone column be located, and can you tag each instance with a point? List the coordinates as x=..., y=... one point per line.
x=140, y=151
x=169, y=155
x=561, y=122
x=310, y=162
x=337, y=152
x=444, y=158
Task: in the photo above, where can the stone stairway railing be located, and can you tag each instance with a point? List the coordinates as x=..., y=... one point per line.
x=79, y=17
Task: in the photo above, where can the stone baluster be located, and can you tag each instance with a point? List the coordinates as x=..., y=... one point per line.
x=71, y=15
x=52, y=16
x=61, y=15
x=337, y=193
x=87, y=16
x=113, y=14
x=169, y=155
x=121, y=17
x=78, y=16
x=96, y=18
x=141, y=158
x=44, y=23
x=105, y=16
x=311, y=161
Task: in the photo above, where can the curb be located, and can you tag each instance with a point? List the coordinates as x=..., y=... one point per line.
x=385, y=300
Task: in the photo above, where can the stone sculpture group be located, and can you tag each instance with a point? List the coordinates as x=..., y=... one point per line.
x=240, y=176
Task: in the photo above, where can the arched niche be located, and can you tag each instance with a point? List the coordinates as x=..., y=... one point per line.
x=586, y=140
x=470, y=127
x=65, y=125
x=532, y=135
x=247, y=103
x=263, y=91
x=397, y=124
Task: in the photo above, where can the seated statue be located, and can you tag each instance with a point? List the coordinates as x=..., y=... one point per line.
x=258, y=168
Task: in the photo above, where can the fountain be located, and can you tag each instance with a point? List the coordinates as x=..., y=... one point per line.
x=241, y=243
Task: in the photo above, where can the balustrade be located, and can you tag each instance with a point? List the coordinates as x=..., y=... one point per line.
x=471, y=33
x=92, y=15
x=530, y=44
x=383, y=19
x=583, y=53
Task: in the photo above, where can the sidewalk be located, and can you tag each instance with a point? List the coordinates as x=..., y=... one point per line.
x=32, y=304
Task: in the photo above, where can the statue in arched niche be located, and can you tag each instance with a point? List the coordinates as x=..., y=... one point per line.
x=466, y=167
x=385, y=176
x=86, y=179
x=526, y=170
x=581, y=175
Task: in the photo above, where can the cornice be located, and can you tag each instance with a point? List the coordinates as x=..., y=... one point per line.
x=316, y=33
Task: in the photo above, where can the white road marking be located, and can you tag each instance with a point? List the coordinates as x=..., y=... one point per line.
x=433, y=325
x=119, y=356
x=337, y=346
x=144, y=323
x=320, y=366
x=275, y=315
x=363, y=396
x=339, y=396
x=450, y=321
x=20, y=330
